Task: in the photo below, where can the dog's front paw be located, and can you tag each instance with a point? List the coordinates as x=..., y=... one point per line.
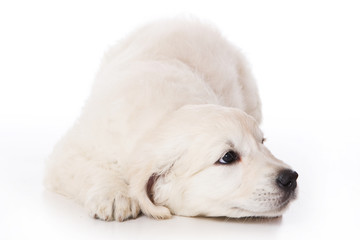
x=109, y=206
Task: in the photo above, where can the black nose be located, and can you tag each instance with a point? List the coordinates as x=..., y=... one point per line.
x=286, y=180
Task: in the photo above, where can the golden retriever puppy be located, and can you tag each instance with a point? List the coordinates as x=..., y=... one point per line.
x=171, y=127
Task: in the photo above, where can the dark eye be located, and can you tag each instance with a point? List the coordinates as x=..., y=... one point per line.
x=229, y=157
x=263, y=140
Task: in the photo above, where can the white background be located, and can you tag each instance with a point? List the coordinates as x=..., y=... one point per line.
x=305, y=56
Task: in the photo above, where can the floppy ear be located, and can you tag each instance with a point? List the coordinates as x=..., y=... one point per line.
x=141, y=180
x=155, y=155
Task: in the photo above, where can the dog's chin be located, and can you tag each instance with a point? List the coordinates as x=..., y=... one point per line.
x=271, y=212
x=242, y=213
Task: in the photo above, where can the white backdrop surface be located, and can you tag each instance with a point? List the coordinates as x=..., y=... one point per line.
x=305, y=56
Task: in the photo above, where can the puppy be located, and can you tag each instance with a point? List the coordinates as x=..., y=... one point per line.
x=171, y=127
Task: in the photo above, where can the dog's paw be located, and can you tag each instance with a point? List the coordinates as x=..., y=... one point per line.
x=112, y=206
x=160, y=213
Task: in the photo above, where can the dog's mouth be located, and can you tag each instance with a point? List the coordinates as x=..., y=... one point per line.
x=267, y=206
x=273, y=212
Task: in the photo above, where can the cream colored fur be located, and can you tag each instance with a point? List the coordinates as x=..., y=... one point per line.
x=169, y=101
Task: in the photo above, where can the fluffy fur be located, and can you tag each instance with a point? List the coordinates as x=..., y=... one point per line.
x=168, y=102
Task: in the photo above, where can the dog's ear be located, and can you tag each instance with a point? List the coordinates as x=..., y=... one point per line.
x=149, y=186
x=141, y=181
x=155, y=156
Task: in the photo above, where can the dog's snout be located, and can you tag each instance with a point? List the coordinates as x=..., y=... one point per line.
x=286, y=180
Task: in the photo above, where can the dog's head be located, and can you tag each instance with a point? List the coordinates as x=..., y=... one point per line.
x=210, y=160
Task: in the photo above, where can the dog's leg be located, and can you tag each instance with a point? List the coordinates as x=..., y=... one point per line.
x=107, y=199
x=94, y=183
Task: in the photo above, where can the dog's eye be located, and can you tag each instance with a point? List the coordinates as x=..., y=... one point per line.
x=229, y=157
x=263, y=140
